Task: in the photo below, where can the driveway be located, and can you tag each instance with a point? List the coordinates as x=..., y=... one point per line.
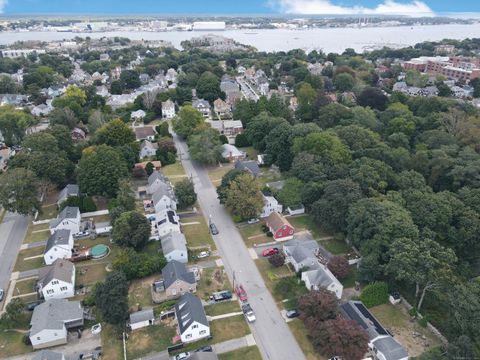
x=12, y=232
x=270, y=331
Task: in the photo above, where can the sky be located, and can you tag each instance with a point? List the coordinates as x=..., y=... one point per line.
x=225, y=7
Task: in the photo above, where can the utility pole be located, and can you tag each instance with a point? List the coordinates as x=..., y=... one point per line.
x=124, y=347
x=233, y=276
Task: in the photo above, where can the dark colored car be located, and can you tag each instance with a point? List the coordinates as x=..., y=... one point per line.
x=293, y=313
x=206, y=348
x=213, y=229
x=33, y=305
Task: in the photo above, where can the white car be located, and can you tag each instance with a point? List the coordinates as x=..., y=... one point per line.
x=1, y=294
x=181, y=356
x=96, y=329
x=253, y=221
x=248, y=312
x=203, y=254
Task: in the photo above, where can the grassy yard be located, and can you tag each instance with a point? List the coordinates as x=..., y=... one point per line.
x=197, y=234
x=48, y=212
x=11, y=341
x=90, y=274
x=30, y=264
x=149, y=340
x=349, y=281
x=24, y=287
x=253, y=234
x=335, y=246
x=249, y=352
x=298, y=330
x=215, y=174
x=273, y=276
x=139, y=291
x=224, y=307
x=251, y=152
x=305, y=222
x=112, y=347
x=37, y=233
x=212, y=280
x=102, y=218
x=229, y=328
x=173, y=170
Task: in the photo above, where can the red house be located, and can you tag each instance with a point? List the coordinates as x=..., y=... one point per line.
x=280, y=227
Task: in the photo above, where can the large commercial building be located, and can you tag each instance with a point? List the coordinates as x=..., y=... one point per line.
x=456, y=68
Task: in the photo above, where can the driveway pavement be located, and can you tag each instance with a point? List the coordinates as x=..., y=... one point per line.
x=270, y=331
x=12, y=232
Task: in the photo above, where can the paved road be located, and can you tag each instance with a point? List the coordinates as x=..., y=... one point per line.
x=12, y=232
x=271, y=333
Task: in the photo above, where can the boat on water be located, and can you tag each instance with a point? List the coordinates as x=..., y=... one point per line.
x=251, y=33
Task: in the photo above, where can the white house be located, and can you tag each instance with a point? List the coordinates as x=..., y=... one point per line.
x=137, y=115
x=380, y=341
x=69, y=219
x=192, y=321
x=232, y=153
x=174, y=247
x=270, y=204
x=203, y=106
x=168, y=109
x=68, y=191
x=155, y=181
x=59, y=246
x=166, y=222
x=321, y=277
x=147, y=149
x=164, y=198
x=141, y=319
x=301, y=254
x=51, y=320
x=57, y=281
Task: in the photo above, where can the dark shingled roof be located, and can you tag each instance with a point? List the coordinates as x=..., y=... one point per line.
x=189, y=309
x=174, y=271
x=59, y=237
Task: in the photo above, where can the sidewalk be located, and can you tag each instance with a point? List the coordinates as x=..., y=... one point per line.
x=234, y=344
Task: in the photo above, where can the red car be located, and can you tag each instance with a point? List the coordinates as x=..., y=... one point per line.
x=241, y=293
x=270, y=252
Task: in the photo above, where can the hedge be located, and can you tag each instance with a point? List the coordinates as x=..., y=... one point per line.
x=374, y=294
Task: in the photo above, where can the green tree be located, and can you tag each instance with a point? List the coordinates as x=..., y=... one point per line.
x=137, y=265
x=13, y=124
x=373, y=97
x=111, y=299
x=130, y=79
x=259, y=127
x=63, y=116
x=187, y=120
x=424, y=263
x=7, y=85
x=185, y=193
x=19, y=191
x=326, y=145
x=225, y=184
x=13, y=311
x=114, y=133
x=149, y=168
x=208, y=87
x=100, y=169
x=243, y=197
x=205, y=146
x=344, y=82
x=125, y=196
x=306, y=96
x=290, y=195
x=131, y=229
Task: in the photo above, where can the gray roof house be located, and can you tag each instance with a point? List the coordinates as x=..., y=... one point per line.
x=177, y=280
x=69, y=218
x=250, y=166
x=69, y=190
x=59, y=246
x=174, y=247
x=192, y=320
x=380, y=341
x=141, y=319
x=57, y=280
x=147, y=149
x=301, y=253
x=51, y=320
x=164, y=198
x=155, y=180
x=48, y=355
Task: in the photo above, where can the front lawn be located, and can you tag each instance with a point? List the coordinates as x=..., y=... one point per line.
x=212, y=280
x=281, y=282
x=336, y=246
x=253, y=234
x=224, y=307
x=24, y=287
x=248, y=352
x=149, y=340
x=229, y=328
x=251, y=152
x=37, y=233
x=216, y=174
x=349, y=281
x=11, y=341
x=197, y=235
x=24, y=261
x=298, y=330
x=173, y=170
x=48, y=212
x=112, y=347
x=305, y=222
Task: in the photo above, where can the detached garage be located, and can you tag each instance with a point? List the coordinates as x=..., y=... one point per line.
x=141, y=319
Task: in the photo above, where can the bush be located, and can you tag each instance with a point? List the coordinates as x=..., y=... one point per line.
x=223, y=139
x=289, y=288
x=265, y=228
x=276, y=260
x=149, y=117
x=88, y=205
x=26, y=340
x=241, y=141
x=374, y=294
x=423, y=322
x=338, y=265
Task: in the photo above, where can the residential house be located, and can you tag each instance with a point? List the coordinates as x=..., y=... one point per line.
x=168, y=109
x=118, y=101
x=221, y=108
x=229, y=128
x=102, y=91
x=177, y=280
x=270, y=204
x=147, y=149
x=164, y=198
x=171, y=75
x=137, y=115
x=69, y=218
x=13, y=99
x=116, y=72
x=68, y=191
x=380, y=341
x=280, y=227
x=144, y=78
x=231, y=89
x=174, y=247
x=41, y=110
x=145, y=133
x=296, y=210
x=301, y=254
x=231, y=153
x=248, y=166
x=155, y=181
x=59, y=246
x=263, y=87
x=48, y=355
x=57, y=281
x=141, y=319
x=203, y=106
x=5, y=154
x=78, y=134
x=166, y=222
x=293, y=103
x=51, y=321
x=192, y=320
x=322, y=277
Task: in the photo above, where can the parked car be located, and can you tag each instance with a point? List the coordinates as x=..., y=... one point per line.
x=248, y=312
x=270, y=252
x=181, y=356
x=96, y=329
x=292, y=313
x=206, y=348
x=241, y=293
x=31, y=306
x=253, y=221
x=221, y=295
x=213, y=229
x=2, y=293
x=203, y=254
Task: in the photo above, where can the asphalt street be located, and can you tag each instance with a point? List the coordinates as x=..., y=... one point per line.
x=12, y=232
x=270, y=331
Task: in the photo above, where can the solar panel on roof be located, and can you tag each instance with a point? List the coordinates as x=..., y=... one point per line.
x=378, y=328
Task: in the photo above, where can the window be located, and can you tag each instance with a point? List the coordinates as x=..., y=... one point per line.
x=38, y=337
x=188, y=336
x=50, y=291
x=203, y=332
x=194, y=326
x=63, y=288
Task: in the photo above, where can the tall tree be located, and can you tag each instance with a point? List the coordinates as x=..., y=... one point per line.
x=187, y=120
x=131, y=229
x=318, y=305
x=205, y=146
x=185, y=193
x=19, y=191
x=243, y=197
x=111, y=299
x=13, y=124
x=114, y=133
x=208, y=87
